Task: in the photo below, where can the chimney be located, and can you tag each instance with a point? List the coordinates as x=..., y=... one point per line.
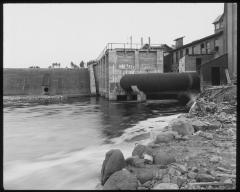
x=179, y=42
x=141, y=41
x=149, y=41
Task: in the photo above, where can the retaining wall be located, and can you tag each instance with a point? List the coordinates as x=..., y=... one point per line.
x=45, y=81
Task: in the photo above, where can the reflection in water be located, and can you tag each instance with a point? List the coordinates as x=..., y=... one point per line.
x=62, y=146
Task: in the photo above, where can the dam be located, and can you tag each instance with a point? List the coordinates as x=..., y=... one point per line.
x=133, y=73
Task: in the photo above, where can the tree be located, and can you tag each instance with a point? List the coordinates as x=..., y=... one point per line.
x=81, y=64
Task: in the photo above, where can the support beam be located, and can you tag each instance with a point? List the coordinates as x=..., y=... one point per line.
x=140, y=95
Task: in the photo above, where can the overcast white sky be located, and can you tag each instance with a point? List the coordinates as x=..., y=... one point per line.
x=40, y=34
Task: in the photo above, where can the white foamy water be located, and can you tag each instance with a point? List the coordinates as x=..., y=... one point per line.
x=62, y=146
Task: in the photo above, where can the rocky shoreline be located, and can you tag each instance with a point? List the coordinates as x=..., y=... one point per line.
x=195, y=151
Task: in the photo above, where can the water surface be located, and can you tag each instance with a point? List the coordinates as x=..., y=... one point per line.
x=62, y=146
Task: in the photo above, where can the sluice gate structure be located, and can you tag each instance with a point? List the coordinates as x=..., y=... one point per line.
x=131, y=73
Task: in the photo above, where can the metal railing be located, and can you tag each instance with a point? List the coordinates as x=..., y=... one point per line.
x=134, y=46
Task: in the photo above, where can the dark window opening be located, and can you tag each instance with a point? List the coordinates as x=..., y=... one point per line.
x=181, y=53
x=45, y=89
x=198, y=64
x=193, y=50
x=187, y=51
x=202, y=45
x=215, y=72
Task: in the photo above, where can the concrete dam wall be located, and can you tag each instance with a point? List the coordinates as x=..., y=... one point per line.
x=45, y=81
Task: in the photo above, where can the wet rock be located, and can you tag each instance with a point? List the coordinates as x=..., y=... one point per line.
x=121, y=180
x=140, y=150
x=135, y=161
x=182, y=127
x=204, y=178
x=215, y=159
x=164, y=137
x=163, y=158
x=114, y=161
x=166, y=186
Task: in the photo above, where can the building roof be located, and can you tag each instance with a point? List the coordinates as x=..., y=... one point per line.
x=179, y=38
x=218, y=19
x=199, y=40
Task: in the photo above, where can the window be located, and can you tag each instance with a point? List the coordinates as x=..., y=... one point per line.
x=208, y=47
x=187, y=52
x=202, y=48
x=193, y=50
x=181, y=53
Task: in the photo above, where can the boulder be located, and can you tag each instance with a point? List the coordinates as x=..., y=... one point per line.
x=114, y=161
x=199, y=125
x=144, y=174
x=140, y=150
x=163, y=158
x=164, y=137
x=121, y=180
x=135, y=161
x=166, y=186
x=181, y=126
x=202, y=177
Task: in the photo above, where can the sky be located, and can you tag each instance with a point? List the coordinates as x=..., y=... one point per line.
x=41, y=34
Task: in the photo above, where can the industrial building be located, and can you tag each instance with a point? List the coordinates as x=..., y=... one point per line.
x=117, y=60
x=214, y=56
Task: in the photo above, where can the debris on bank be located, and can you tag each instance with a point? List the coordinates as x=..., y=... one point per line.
x=196, y=150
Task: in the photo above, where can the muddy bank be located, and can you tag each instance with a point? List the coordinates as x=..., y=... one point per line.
x=196, y=150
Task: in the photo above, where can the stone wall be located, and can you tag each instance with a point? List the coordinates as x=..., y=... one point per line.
x=45, y=81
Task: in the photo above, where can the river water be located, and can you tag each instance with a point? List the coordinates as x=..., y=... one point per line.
x=62, y=146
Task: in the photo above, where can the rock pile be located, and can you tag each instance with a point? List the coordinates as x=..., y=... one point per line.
x=189, y=154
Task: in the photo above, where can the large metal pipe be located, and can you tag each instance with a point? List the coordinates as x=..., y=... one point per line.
x=161, y=82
